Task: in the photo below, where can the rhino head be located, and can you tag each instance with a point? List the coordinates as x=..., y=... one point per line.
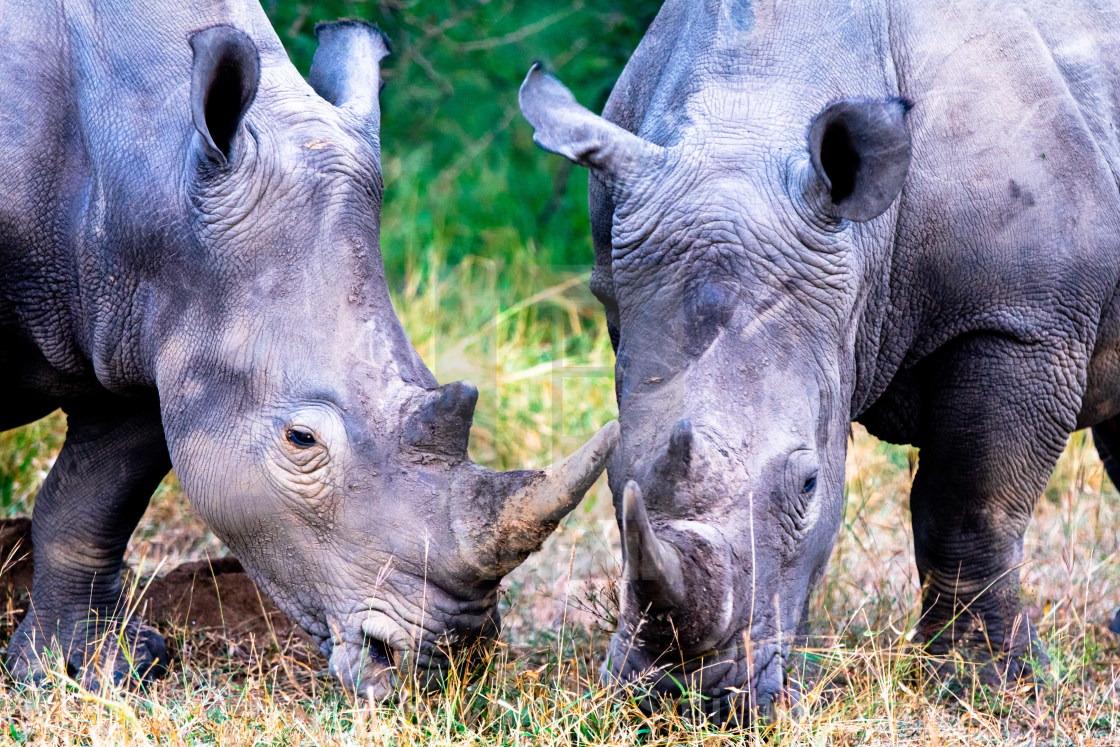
x=737, y=278
x=302, y=424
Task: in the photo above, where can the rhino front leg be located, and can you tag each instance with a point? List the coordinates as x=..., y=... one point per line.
x=113, y=458
x=1106, y=437
x=996, y=415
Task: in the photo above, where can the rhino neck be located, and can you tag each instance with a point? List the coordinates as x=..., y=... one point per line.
x=127, y=157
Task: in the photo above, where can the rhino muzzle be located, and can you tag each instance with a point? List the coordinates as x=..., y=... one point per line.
x=687, y=640
x=436, y=603
x=742, y=681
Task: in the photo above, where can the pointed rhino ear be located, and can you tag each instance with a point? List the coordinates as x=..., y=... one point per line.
x=224, y=81
x=568, y=129
x=346, y=69
x=861, y=152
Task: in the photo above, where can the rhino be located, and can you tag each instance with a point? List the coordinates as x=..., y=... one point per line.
x=191, y=264
x=810, y=213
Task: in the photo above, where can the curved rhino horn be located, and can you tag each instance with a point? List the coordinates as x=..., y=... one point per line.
x=530, y=503
x=561, y=125
x=653, y=566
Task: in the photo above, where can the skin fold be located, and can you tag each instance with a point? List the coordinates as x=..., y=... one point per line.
x=189, y=247
x=809, y=213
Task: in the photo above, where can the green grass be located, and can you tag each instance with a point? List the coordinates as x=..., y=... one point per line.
x=26, y=455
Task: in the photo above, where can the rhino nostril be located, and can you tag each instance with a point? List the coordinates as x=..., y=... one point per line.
x=380, y=652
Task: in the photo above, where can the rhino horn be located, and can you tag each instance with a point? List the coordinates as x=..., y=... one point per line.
x=679, y=454
x=530, y=503
x=675, y=464
x=653, y=566
x=440, y=423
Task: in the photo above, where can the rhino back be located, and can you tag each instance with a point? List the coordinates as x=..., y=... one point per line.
x=1011, y=208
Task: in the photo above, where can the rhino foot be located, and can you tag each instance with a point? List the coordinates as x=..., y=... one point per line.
x=95, y=652
x=1004, y=671
x=1004, y=658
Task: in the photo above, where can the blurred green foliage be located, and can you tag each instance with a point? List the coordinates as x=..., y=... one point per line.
x=460, y=164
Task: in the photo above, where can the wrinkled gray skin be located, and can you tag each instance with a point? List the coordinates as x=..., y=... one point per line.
x=784, y=246
x=189, y=247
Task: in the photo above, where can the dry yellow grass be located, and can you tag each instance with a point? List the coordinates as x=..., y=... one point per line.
x=543, y=367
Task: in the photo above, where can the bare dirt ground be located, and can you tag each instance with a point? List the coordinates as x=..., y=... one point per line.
x=213, y=599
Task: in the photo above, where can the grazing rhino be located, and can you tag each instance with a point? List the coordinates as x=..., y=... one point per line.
x=812, y=212
x=189, y=247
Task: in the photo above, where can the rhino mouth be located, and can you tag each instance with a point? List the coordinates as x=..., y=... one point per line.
x=726, y=684
x=408, y=655
x=393, y=644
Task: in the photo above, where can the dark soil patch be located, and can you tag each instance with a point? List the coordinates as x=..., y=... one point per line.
x=213, y=601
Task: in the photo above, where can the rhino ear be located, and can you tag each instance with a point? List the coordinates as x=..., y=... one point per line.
x=860, y=151
x=570, y=130
x=224, y=81
x=346, y=69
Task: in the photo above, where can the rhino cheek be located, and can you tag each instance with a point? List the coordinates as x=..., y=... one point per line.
x=272, y=546
x=271, y=518
x=403, y=627
x=305, y=489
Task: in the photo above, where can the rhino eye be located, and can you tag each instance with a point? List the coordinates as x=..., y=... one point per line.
x=301, y=437
x=809, y=486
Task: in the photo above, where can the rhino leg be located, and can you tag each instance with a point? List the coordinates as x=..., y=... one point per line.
x=994, y=421
x=1106, y=437
x=113, y=458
